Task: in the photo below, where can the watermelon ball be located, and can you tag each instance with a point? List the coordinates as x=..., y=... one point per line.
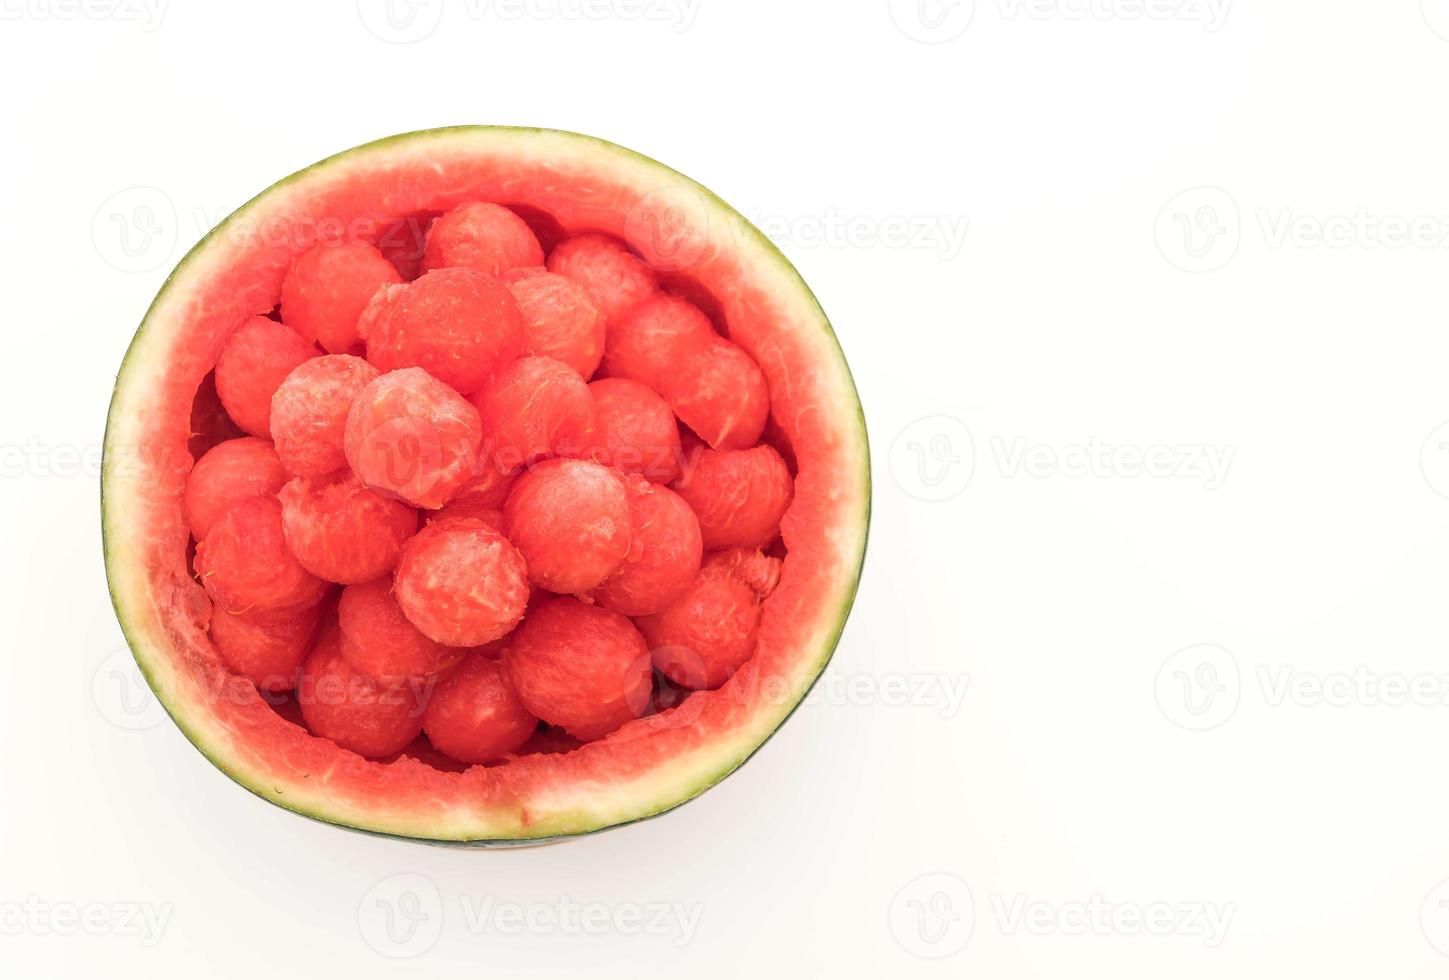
x=581, y=667
x=267, y=648
x=473, y=715
x=711, y=384
x=720, y=393
x=664, y=557
x=481, y=236
x=251, y=366
x=739, y=495
x=412, y=437
x=369, y=717
x=635, y=430
x=230, y=471
x=461, y=583
x=328, y=287
x=245, y=565
x=309, y=412
x=533, y=408
x=379, y=641
x=570, y=519
x=613, y=276
x=654, y=338
x=700, y=640
x=459, y=325
x=559, y=319
x=341, y=531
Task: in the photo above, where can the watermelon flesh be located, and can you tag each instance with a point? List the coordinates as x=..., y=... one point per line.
x=579, y=666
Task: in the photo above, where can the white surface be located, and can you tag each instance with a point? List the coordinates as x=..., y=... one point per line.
x=1293, y=533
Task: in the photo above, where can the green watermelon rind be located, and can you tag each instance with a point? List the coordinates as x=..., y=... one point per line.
x=708, y=775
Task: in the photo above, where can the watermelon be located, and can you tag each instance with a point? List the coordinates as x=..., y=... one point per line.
x=584, y=207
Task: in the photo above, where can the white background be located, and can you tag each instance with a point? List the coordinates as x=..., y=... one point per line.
x=1167, y=282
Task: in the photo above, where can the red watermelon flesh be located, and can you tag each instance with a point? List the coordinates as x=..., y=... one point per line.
x=761, y=623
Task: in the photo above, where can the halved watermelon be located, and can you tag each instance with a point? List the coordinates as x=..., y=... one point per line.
x=564, y=184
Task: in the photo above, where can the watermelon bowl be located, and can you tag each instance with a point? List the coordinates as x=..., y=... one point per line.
x=483, y=486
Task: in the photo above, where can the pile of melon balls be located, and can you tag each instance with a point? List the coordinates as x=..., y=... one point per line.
x=486, y=503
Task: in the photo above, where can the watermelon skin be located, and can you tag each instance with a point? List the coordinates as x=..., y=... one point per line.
x=650, y=765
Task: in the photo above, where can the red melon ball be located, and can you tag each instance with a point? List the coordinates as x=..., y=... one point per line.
x=230, y=472
x=533, y=408
x=580, y=667
x=559, y=319
x=381, y=642
x=412, y=437
x=704, y=636
x=720, y=393
x=739, y=495
x=309, y=412
x=251, y=366
x=634, y=430
x=372, y=718
x=653, y=338
x=482, y=236
x=266, y=648
x=462, y=583
x=460, y=325
x=570, y=519
x=328, y=287
x=473, y=715
x=340, y=530
x=613, y=276
x=245, y=565
x=664, y=557
x=711, y=384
